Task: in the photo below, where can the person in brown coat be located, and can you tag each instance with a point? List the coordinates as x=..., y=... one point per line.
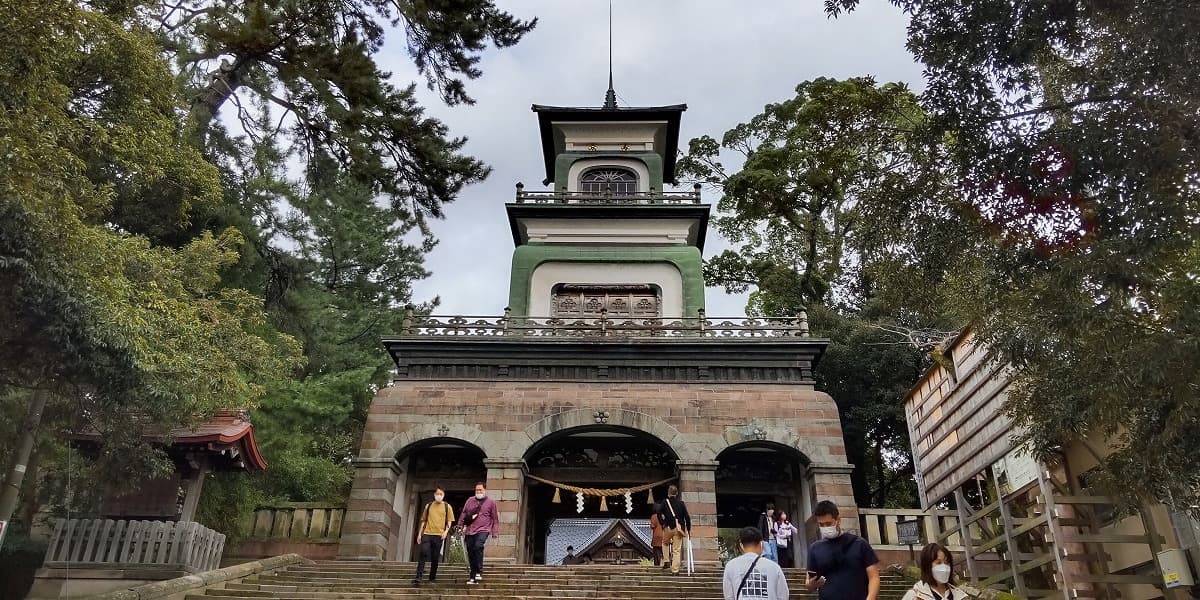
x=656, y=539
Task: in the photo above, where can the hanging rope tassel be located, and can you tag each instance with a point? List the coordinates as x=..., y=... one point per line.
x=603, y=504
x=557, y=498
x=650, y=497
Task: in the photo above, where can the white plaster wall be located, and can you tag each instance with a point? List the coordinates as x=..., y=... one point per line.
x=637, y=134
x=579, y=166
x=609, y=231
x=549, y=274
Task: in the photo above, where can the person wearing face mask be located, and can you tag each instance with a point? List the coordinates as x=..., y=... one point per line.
x=748, y=576
x=481, y=519
x=436, y=519
x=841, y=565
x=784, y=531
x=937, y=565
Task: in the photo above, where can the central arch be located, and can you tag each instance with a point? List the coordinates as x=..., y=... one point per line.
x=592, y=455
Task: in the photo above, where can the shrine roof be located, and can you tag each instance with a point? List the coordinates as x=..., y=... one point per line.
x=670, y=114
x=227, y=435
x=582, y=534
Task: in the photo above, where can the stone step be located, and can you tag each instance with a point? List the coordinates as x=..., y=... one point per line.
x=363, y=580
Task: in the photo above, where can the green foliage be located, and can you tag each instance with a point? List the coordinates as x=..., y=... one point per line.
x=156, y=265
x=1076, y=150
x=94, y=312
x=804, y=211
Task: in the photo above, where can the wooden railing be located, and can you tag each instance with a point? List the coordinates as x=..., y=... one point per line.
x=878, y=526
x=106, y=542
x=299, y=521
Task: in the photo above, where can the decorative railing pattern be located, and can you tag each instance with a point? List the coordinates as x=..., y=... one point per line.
x=299, y=521
x=878, y=526
x=688, y=327
x=608, y=198
x=101, y=542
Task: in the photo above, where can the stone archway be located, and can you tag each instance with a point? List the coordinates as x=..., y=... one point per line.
x=755, y=475
x=591, y=453
x=423, y=432
x=452, y=464
x=605, y=417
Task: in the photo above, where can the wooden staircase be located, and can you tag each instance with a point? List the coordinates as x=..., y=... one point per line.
x=336, y=580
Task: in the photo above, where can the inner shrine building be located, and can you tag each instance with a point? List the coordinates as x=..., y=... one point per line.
x=604, y=375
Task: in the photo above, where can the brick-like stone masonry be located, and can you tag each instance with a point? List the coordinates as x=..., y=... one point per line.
x=506, y=418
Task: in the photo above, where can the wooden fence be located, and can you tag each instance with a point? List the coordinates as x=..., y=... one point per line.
x=107, y=542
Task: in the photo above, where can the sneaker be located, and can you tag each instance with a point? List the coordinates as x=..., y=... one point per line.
x=478, y=577
x=416, y=582
x=470, y=581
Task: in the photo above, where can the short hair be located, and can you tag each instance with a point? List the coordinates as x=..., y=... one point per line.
x=481, y=484
x=672, y=490
x=438, y=488
x=826, y=508
x=929, y=554
x=750, y=536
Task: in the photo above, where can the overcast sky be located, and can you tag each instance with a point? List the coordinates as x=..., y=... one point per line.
x=724, y=59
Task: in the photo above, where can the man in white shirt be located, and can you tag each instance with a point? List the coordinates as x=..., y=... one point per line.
x=749, y=576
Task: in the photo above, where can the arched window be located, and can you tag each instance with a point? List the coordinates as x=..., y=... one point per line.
x=608, y=180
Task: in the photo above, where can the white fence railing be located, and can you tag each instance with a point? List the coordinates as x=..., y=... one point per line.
x=103, y=542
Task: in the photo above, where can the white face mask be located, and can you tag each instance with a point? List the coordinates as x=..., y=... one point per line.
x=438, y=497
x=828, y=533
x=480, y=495
x=941, y=573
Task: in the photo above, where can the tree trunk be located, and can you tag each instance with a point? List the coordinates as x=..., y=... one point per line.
x=12, y=484
x=222, y=83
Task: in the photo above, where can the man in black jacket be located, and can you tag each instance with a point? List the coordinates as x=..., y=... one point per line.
x=677, y=523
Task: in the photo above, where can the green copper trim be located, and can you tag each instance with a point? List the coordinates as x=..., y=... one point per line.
x=563, y=162
x=685, y=258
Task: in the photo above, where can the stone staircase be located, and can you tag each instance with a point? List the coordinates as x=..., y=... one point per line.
x=331, y=580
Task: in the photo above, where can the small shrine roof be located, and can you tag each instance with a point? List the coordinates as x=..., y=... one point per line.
x=582, y=534
x=227, y=435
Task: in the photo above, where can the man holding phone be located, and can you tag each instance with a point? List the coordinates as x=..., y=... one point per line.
x=842, y=566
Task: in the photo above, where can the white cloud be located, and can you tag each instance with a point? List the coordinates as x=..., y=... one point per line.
x=726, y=60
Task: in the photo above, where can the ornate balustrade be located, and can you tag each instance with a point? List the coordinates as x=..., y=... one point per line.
x=108, y=543
x=605, y=327
x=608, y=198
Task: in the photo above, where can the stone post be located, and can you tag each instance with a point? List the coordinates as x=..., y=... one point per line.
x=506, y=484
x=371, y=524
x=831, y=481
x=698, y=489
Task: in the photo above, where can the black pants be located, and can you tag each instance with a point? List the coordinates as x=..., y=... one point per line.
x=658, y=556
x=475, y=552
x=785, y=557
x=431, y=550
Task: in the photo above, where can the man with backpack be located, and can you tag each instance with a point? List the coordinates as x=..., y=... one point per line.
x=748, y=576
x=436, y=519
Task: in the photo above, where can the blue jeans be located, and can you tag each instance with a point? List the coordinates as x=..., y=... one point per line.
x=771, y=552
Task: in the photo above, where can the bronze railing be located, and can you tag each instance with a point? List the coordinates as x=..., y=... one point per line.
x=605, y=326
x=608, y=198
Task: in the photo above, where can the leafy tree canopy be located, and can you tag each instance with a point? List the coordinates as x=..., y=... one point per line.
x=809, y=211
x=1076, y=157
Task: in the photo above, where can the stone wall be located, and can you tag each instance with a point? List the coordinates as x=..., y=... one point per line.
x=505, y=419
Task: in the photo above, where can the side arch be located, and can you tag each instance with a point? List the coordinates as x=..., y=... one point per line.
x=779, y=436
x=414, y=436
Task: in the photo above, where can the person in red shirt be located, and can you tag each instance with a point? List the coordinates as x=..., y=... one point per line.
x=481, y=519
